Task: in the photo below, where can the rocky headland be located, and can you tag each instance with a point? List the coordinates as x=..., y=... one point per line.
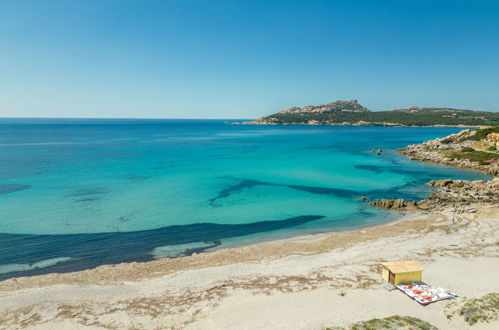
x=475, y=150
x=351, y=113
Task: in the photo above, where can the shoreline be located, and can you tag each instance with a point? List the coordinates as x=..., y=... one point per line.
x=238, y=242
x=388, y=218
x=393, y=125
x=280, y=247
x=217, y=290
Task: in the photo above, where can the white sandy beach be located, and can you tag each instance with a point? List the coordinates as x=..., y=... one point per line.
x=309, y=282
x=249, y=165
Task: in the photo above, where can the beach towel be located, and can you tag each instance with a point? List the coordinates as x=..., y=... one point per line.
x=424, y=293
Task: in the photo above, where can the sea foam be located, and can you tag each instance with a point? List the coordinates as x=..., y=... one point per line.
x=180, y=250
x=9, y=268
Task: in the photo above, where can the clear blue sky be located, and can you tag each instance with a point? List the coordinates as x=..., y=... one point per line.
x=243, y=59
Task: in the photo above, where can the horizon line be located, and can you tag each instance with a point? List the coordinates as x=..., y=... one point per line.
x=130, y=118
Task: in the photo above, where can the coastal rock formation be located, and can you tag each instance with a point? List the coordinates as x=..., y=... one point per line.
x=454, y=150
x=465, y=192
x=449, y=151
x=349, y=106
x=494, y=138
x=395, y=204
x=450, y=193
x=402, y=205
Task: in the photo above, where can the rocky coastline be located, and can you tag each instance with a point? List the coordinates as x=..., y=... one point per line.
x=273, y=121
x=458, y=196
x=439, y=151
x=361, y=123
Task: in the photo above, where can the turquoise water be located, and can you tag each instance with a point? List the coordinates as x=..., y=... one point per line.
x=78, y=193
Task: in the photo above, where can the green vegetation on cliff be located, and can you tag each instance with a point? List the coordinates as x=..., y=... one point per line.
x=481, y=134
x=481, y=157
x=350, y=112
x=479, y=138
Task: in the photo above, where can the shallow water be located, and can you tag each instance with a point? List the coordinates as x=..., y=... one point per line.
x=75, y=194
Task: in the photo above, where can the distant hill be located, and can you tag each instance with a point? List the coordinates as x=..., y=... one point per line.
x=352, y=113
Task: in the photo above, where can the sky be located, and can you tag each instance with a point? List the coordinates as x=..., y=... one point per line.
x=243, y=59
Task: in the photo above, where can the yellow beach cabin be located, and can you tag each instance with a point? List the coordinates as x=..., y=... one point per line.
x=396, y=272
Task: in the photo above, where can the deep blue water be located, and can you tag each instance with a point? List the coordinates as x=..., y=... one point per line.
x=76, y=194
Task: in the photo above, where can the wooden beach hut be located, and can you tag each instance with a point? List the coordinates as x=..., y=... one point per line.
x=403, y=271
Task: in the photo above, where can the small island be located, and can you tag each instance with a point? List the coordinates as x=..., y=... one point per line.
x=351, y=113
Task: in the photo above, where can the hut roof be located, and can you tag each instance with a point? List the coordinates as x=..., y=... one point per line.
x=402, y=266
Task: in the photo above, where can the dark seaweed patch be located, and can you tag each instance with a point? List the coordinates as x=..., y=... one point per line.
x=124, y=219
x=88, y=192
x=92, y=250
x=137, y=177
x=12, y=187
x=413, y=190
x=344, y=193
x=243, y=184
x=84, y=200
x=246, y=183
x=373, y=168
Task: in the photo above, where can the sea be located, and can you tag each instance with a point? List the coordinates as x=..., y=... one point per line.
x=79, y=193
